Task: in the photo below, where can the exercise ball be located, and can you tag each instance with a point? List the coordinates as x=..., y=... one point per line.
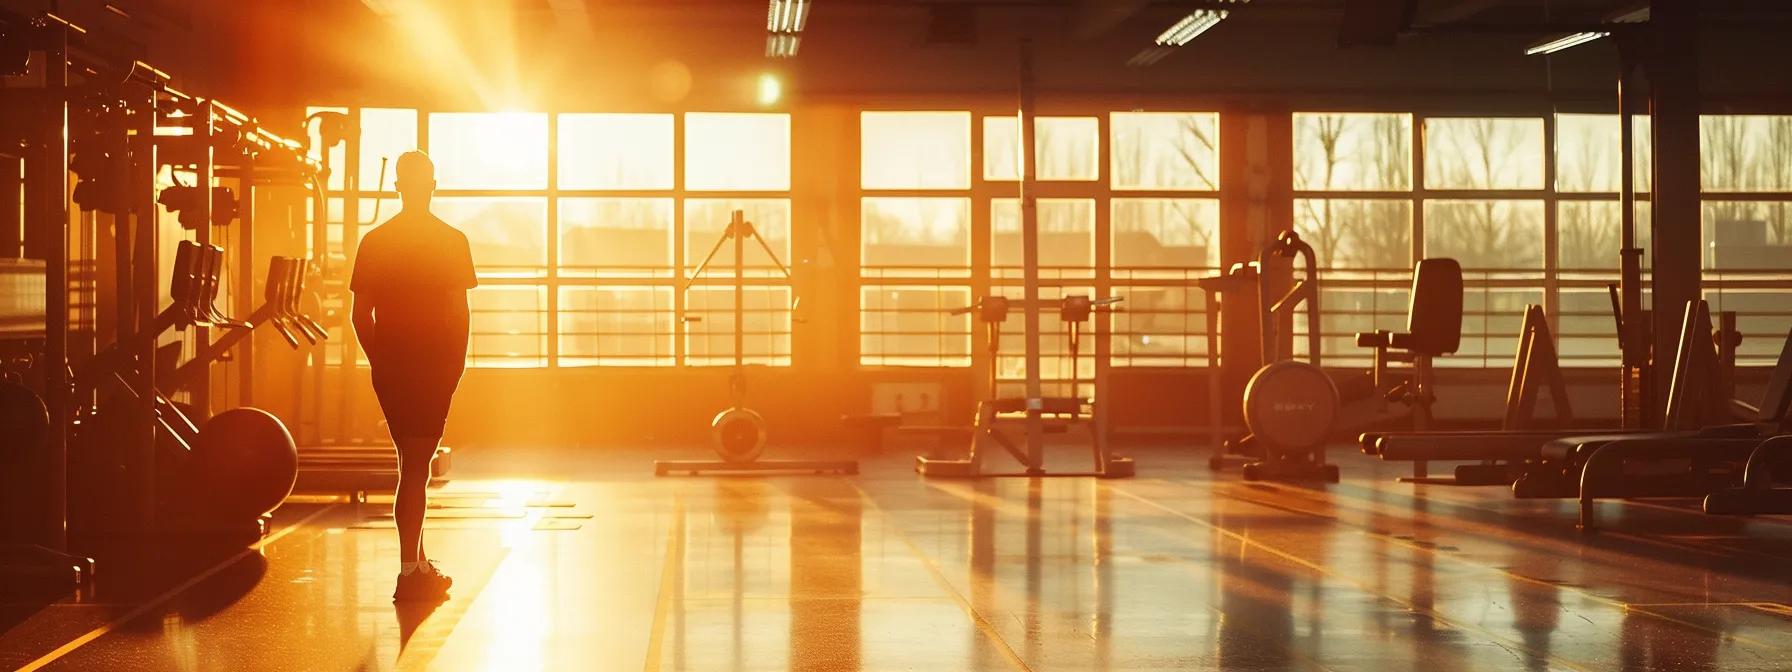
x=739, y=435
x=243, y=465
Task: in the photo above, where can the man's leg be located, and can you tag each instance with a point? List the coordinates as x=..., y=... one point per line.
x=412, y=499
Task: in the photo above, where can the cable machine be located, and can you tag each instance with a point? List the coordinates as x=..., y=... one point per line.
x=738, y=432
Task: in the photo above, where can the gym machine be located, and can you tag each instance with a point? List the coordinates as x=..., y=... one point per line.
x=1035, y=410
x=738, y=432
x=1500, y=454
x=1520, y=450
x=1291, y=407
x=1513, y=456
x=115, y=124
x=1760, y=491
x=1694, y=455
x=1058, y=414
x=36, y=550
x=1216, y=289
x=222, y=474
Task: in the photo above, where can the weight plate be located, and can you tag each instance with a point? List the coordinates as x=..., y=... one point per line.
x=739, y=435
x=1291, y=405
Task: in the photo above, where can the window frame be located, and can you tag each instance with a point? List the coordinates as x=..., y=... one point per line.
x=550, y=280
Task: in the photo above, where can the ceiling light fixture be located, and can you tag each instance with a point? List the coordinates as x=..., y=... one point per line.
x=1191, y=27
x=784, y=21
x=1559, y=43
x=787, y=16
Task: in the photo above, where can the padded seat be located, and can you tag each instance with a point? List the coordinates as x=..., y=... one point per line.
x=1434, y=319
x=1569, y=446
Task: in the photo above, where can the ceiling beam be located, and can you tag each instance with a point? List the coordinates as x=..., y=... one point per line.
x=1461, y=11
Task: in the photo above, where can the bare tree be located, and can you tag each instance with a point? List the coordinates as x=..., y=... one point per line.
x=1197, y=145
x=1359, y=234
x=1481, y=233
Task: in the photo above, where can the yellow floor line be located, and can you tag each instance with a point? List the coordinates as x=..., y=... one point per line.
x=668, y=583
x=172, y=593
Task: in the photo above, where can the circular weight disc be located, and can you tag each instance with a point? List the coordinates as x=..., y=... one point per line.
x=1290, y=404
x=739, y=435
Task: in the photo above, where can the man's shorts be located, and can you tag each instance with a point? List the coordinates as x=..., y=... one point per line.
x=415, y=392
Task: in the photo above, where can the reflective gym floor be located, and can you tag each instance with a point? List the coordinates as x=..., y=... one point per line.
x=578, y=563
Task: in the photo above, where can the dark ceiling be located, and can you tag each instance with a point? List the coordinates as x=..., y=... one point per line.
x=606, y=52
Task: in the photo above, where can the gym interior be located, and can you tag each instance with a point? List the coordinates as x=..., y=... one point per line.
x=890, y=334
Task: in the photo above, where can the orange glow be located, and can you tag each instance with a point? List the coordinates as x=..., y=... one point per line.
x=491, y=150
x=485, y=60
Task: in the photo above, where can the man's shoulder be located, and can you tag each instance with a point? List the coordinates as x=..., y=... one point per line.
x=431, y=225
x=450, y=230
x=373, y=238
x=413, y=226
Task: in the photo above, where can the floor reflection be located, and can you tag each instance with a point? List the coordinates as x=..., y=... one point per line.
x=886, y=571
x=826, y=579
x=1689, y=642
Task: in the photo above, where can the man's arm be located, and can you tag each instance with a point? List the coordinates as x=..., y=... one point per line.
x=363, y=321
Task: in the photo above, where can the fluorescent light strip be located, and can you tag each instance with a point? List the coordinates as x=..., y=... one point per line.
x=1564, y=42
x=787, y=16
x=1191, y=27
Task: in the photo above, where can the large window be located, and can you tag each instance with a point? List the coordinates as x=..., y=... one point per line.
x=366, y=182
x=1588, y=157
x=1378, y=190
x=1530, y=206
x=585, y=227
x=915, y=229
x=1163, y=231
x=1127, y=205
x=1746, y=171
x=1354, y=203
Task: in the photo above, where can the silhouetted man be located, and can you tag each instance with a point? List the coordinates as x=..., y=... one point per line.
x=410, y=303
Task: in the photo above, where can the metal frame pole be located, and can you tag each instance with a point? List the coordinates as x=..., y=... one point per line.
x=245, y=276
x=51, y=198
x=738, y=227
x=146, y=301
x=1634, y=337
x=1029, y=233
x=202, y=336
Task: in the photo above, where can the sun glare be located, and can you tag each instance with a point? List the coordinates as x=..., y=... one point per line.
x=770, y=89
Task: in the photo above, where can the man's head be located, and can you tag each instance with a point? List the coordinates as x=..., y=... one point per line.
x=416, y=179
